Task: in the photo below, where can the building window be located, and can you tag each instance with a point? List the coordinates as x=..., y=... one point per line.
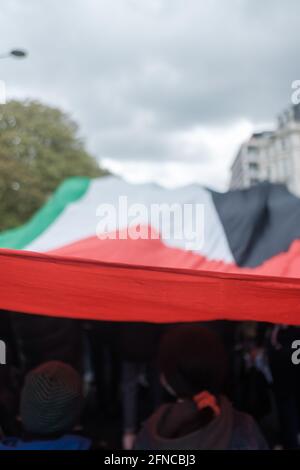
x=253, y=166
x=285, y=143
x=252, y=150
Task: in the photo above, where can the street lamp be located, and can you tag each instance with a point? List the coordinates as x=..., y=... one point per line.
x=16, y=53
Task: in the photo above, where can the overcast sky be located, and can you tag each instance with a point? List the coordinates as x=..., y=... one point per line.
x=163, y=90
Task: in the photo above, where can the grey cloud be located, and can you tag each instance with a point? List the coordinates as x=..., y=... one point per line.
x=185, y=64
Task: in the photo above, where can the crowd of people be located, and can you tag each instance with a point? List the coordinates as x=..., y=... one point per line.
x=72, y=384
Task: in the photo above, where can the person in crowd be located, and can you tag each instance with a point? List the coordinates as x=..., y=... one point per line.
x=51, y=403
x=41, y=339
x=253, y=378
x=286, y=377
x=103, y=344
x=9, y=377
x=9, y=400
x=138, y=346
x=193, y=367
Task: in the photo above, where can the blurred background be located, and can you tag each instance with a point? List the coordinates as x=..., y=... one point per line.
x=172, y=92
x=153, y=90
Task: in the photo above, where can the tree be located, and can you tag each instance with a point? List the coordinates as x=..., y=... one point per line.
x=39, y=148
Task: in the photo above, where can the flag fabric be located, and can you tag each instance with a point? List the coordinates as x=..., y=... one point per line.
x=241, y=261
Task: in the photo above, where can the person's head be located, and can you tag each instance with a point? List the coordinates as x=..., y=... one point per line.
x=51, y=399
x=192, y=360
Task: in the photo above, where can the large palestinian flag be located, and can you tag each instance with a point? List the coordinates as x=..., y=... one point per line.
x=245, y=266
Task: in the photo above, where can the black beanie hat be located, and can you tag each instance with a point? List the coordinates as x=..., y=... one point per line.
x=193, y=359
x=51, y=399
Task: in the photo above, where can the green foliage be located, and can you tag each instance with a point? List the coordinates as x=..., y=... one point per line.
x=39, y=148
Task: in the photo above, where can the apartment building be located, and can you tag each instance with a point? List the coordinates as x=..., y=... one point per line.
x=271, y=156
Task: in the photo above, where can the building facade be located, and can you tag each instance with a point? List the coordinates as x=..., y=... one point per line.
x=271, y=156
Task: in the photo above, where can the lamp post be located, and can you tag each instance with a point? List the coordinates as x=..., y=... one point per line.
x=15, y=53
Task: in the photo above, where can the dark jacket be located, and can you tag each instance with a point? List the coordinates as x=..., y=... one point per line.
x=231, y=430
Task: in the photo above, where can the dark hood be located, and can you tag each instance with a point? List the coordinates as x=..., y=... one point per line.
x=169, y=419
